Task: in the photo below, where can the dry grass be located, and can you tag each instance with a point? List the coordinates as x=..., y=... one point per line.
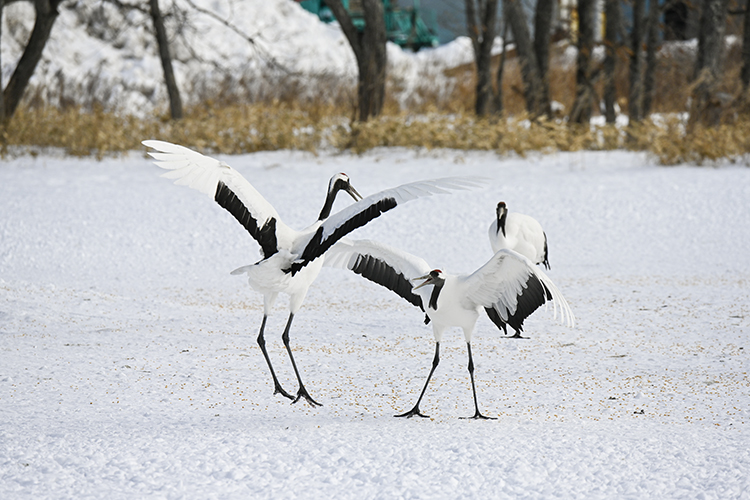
x=227, y=129
x=701, y=146
x=667, y=140
x=77, y=133
x=244, y=129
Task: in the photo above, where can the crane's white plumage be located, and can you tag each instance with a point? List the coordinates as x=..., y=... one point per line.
x=400, y=195
x=291, y=260
x=509, y=284
x=347, y=253
x=203, y=173
x=518, y=232
x=502, y=280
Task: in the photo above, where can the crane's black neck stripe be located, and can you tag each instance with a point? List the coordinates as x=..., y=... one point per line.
x=381, y=273
x=501, y=222
x=265, y=235
x=330, y=198
x=436, y=293
x=318, y=246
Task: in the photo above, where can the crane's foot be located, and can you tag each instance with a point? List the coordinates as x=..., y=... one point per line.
x=302, y=393
x=516, y=335
x=280, y=390
x=478, y=416
x=413, y=412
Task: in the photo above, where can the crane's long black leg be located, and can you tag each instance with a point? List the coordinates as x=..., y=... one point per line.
x=301, y=392
x=262, y=343
x=415, y=410
x=474, y=389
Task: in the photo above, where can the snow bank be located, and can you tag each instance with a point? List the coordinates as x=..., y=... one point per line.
x=98, y=54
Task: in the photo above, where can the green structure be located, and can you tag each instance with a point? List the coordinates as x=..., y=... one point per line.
x=406, y=27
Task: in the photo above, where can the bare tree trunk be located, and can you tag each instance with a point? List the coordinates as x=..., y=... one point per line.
x=498, y=97
x=635, y=96
x=583, y=105
x=481, y=24
x=46, y=14
x=711, y=36
x=611, y=42
x=708, y=64
x=369, y=50
x=175, y=103
x=372, y=91
x=514, y=13
x=543, y=16
x=745, y=72
x=652, y=42
x=2, y=98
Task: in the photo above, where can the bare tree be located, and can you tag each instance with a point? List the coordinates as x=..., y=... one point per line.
x=46, y=14
x=513, y=11
x=2, y=99
x=652, y=42
x=532, y=53
x=543, y=17
x=635, y=95
x=369, y=50
x=583, y=105
x=709, y=62
x=611, y=43
x=498, y=97
x=175, y=102
x=745, y=72
x=481, y=20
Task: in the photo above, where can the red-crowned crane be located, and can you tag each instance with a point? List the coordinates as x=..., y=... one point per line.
x=509, y=283
x=518, y=232
x=523, y=234
x=291, y=260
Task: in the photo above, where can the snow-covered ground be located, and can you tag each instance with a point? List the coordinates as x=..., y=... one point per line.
x=100, y=54
x=129, y=366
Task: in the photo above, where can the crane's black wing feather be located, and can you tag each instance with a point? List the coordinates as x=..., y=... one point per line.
x=265, y=235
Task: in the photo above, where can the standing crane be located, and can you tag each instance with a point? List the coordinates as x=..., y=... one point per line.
x=509, y=283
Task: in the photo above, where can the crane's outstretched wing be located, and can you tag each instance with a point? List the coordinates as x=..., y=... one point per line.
x=514, y=287
x=358, y=214
x=226, y=186
x=381, y=264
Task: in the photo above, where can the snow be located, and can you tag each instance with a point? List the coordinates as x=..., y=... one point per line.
x=97, y=54
x=129, y=366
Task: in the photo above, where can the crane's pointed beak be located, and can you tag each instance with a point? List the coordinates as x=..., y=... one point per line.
x=427, y=280
x=353, y=192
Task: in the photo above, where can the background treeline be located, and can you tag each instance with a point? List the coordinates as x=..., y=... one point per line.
x=676, y=71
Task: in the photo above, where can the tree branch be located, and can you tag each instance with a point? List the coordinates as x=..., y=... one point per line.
x=250, y=39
